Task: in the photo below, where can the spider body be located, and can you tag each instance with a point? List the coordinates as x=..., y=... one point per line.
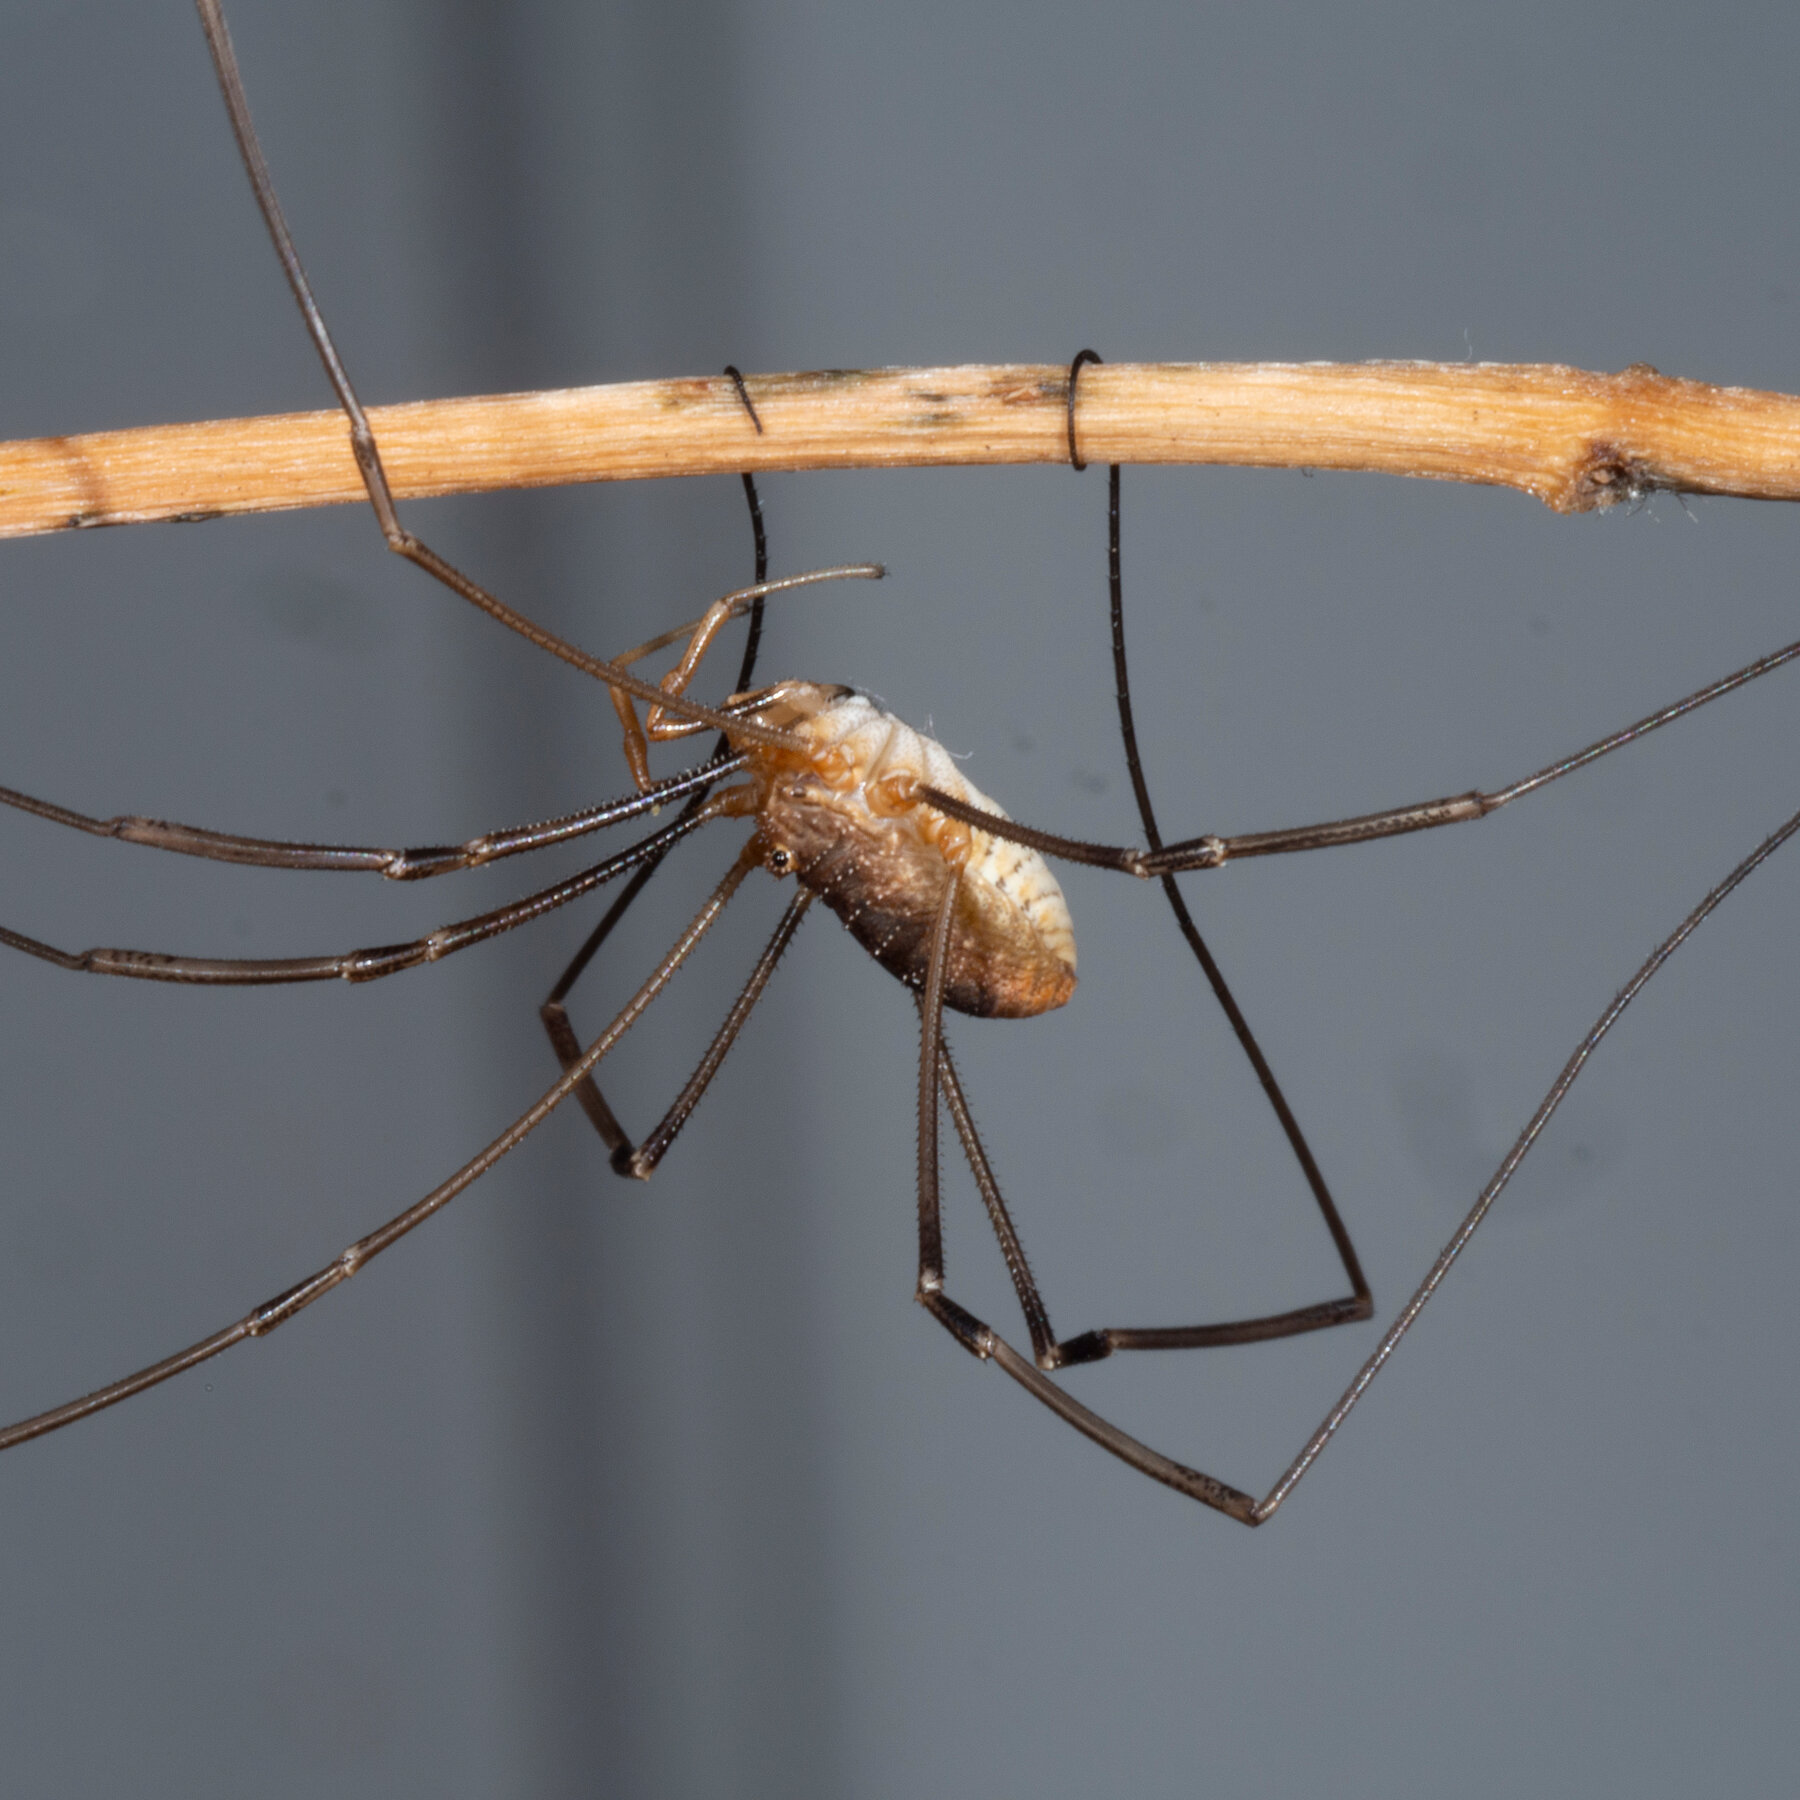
x=843, y=815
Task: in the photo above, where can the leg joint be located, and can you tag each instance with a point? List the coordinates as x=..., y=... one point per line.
x=969, y=1331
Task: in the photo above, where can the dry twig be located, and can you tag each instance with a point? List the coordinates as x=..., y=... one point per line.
x=1574, y=439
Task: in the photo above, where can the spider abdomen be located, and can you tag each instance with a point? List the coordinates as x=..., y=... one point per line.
x=843, y=819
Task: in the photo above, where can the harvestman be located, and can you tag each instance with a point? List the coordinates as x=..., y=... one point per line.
x=945, y=891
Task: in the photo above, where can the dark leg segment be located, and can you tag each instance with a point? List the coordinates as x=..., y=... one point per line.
x=969, y=1331
x=361, y=965
x=937, y=1075
x=1455, y=809
x=278, y=1311
x=1092, y=1346
x=1037, y=1318
x=1359, y=1304
x=554, y=1012
x=362, y=437
x=396, y=865
x=642, y=1162
x=1328, y=1427
x=982, y=1341
x=975, y=1335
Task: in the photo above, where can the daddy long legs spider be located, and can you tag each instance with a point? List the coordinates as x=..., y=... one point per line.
x=484, y=1503
x=946, y=895
x=932, y=879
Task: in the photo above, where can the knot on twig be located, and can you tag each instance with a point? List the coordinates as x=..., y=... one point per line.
x=1609, y=475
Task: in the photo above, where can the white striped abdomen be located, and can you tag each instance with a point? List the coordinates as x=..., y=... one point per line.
x=841, y=817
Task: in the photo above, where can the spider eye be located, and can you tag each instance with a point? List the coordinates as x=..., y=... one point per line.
x=780, y=861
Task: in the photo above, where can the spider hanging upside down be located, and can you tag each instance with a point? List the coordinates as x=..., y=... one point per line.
x=875, y=819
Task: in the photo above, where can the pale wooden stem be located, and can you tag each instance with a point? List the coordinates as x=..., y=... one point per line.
x=1575, y=440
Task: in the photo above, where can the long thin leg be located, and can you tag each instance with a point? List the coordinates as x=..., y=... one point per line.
x=641, y=1162
x=936, y=1075
x=1047, y=1351
x=265, y=1318
x=962, y=1325
x=1328, y=1427
x=366, y=965
x=1031, y=1303
x=1210, y=852
x=1091, y=1346
x=362, y=438
x=396, y=865
x=975, y=1335
x=982, y=1341
x=554, y=1012
x=1360, y=1303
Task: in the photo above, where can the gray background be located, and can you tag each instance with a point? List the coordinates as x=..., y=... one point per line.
x=593, y=1488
